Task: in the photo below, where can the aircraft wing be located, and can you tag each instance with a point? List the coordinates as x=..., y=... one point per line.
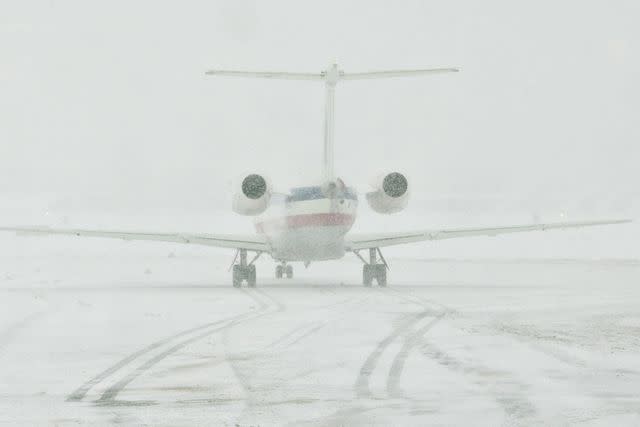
x=254, y=243
x=364, y=241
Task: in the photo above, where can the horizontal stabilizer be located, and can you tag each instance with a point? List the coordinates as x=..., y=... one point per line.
x=396, y=73
x=266, y=74
x=339, y=75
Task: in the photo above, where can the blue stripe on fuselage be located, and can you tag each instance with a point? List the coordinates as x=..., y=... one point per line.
x=314, y=193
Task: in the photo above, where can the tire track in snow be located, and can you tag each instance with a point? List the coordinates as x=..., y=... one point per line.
x=415, y=299
x=507, y=393
x=308, y=333
x=538, y=341
x=108, y=397
x=412, y=340
x=259, y=393
x=362, y=385
x=295, y=335
x=397, y=366
x=299, y=333
x=244, y=380
x=286, y=336
x=505, y=390
x=81, y=392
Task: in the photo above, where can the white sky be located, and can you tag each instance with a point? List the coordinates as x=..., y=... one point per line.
x=109, y=99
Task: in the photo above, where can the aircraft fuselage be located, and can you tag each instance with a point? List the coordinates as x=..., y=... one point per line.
x=308, y=225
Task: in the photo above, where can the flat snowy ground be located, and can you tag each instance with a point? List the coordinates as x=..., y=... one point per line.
x=103, y=332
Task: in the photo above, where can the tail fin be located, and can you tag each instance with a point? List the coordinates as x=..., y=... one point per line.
x=331, y=76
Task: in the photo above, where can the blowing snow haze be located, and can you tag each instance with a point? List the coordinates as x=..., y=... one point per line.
x=128, y=121
x=107, y=115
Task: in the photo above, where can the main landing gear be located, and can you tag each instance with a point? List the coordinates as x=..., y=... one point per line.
x=284, y=270
x=243, y=271
x=373, y=270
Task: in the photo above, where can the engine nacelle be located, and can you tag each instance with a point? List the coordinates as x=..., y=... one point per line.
x=391, y=195
x=253, y=197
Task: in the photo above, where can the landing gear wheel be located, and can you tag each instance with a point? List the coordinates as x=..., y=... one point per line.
x=243, y=270
x=367, y=276
x=237, y=276
x=372, y=269
x=371, y=272
x=279, y=272
x=381, y=277
x=251, y=276
x=289, y=271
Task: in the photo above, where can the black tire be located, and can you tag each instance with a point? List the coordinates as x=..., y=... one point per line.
x=289, y=271
x=367, y=277
x=381, y=276
x=278, y=272
x=237, y=276
x=251, y=276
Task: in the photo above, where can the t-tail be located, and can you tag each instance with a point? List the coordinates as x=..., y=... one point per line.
x=331, y=76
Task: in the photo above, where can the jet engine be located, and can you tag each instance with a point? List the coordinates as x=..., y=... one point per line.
x=253, y=197
x=391, y=193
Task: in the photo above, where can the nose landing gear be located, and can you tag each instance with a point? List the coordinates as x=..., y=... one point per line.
x=284, y=270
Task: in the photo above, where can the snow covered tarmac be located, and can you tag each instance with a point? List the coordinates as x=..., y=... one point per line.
x=94, y=333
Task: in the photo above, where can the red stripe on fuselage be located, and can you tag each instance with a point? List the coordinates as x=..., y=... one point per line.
x=306, y=220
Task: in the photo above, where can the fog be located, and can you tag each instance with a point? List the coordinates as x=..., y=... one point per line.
x=109, y=102
x=107, y=121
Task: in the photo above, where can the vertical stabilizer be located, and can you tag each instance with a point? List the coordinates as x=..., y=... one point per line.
x=330, y=76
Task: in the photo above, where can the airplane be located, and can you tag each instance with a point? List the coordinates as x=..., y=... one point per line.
x=312, y=223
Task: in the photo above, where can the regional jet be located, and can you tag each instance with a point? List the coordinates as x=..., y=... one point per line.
x=310, y=224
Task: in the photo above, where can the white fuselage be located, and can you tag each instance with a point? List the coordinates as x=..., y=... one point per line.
x=307, y=225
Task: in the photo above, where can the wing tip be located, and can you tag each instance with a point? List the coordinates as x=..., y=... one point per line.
x=618, y=221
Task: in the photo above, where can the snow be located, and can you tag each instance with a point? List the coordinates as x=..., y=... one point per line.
x=106, y=332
